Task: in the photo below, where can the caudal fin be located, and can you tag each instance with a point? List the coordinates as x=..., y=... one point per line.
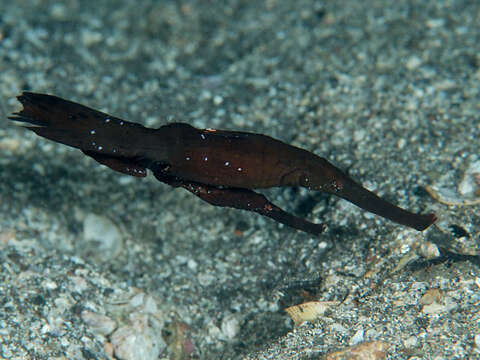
x=109, y=140
x=367, y=200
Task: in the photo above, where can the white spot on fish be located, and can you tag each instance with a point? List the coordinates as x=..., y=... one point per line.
x=227, y=163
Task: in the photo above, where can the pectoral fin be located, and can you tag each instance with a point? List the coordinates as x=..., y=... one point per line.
x=123, y=165
x=243, y=199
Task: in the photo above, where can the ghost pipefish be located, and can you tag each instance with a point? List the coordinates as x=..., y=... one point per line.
x=220, y=167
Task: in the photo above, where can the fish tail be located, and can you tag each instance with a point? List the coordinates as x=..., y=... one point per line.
x=109, y=140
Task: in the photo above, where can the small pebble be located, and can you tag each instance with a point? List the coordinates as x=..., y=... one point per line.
x=230, y=326
x=476, y=340
x=413, y=62
x=103, y=235
x=8, y=144
x=217, y=100
x=98, y=323
x=369, y=350
x=411, y=342
x=429, y=250
x=431, y=296
x=434, y=308
x=358, y=337
x=133, y=343
x=469, y=185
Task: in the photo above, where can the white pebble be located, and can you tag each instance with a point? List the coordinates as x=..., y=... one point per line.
x=137, y=300
x=469, y=184
x=217, y=100
x=413, y=62
x=429, y=250
x=476, y=340
x=98, y=323
x=192, y=265
x=358, y=337
x=104, y=235
x=230, y=326
x=137, y=343
x=410, y=342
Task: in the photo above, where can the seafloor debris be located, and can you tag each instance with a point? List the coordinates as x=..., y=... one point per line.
x=131, y=328
x=98, y=323
x=309, y=311
x=141, y=337
x=462, y=191
x=103, y=238
x=467, y=192
x=365, y=351
x=179, y=342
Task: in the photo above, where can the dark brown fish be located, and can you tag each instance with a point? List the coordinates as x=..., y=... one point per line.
x=220, y=167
